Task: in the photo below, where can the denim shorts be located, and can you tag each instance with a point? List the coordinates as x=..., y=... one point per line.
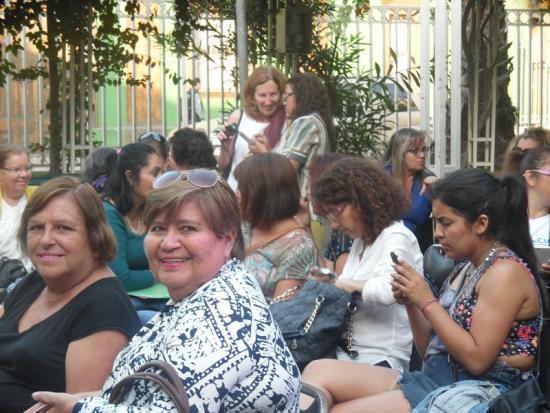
x=438, y=371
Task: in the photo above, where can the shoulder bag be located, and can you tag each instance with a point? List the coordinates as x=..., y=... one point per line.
x=168, y=379
x=313, y=322
x=10, y=270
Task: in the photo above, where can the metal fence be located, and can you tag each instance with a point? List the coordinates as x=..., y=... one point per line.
x=119, y=114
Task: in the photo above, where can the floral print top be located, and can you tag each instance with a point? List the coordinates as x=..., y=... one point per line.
x=523, y=336
x=288, y=257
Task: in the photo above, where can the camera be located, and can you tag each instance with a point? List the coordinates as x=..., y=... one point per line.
x=231, y=130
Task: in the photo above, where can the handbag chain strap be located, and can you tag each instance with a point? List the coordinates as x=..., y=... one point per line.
x=352, y=308
x=318, y=301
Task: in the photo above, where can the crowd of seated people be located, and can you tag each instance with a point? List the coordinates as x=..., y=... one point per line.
x=157, y=256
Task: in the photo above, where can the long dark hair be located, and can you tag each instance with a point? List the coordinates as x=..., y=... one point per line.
x=132, y=157
x=472, y=192
x=312, y=97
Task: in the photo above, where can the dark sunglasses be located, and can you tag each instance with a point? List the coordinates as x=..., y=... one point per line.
x=203, y=178
x=153, y=135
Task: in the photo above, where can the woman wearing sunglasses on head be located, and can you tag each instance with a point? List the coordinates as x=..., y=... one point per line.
x=482, y=332
x=157, y=142
x=535, y=170
x=15, y=175
x=132, y=171
x=216, y=330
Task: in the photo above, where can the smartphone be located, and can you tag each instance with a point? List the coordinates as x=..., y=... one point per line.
x=394, y=258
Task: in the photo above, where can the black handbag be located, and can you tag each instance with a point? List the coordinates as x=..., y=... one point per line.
x=10, y=270
x=526, y=398
x=313, y=321
x=167, y=379
x=437, y=266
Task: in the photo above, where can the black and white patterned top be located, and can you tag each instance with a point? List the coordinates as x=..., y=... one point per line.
x=224, y=343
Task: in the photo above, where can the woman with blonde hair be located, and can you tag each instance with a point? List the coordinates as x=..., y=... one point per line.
x=405, y=159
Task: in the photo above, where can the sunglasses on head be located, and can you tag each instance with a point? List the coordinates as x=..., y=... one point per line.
x=545, y=172
x=203, y=178
x=153, y=135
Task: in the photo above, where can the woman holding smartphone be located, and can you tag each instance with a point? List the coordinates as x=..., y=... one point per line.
x=360, y=199
x=485, y=325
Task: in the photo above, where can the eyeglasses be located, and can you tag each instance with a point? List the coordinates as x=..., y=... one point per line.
x=545, y=172
x=335, y=213
x=203, y=178
x=153, y=135
x=419, y=151
x=287, y=95
x=17, y=171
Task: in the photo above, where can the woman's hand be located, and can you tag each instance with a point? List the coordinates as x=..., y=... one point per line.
x=226, y=142
x=427, y=182
x=399, y=297
x=259, y=144
x=57, y=402
x=410, y=284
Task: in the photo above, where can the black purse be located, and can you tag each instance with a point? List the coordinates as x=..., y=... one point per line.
x=313, y=321
x=526, y=398
x=10, y=270
x=437, y=267
x=167, y=379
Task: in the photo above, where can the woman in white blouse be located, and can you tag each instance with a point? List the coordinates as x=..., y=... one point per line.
x=360, y=199
x=15, y=175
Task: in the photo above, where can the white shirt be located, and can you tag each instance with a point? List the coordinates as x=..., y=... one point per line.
x=381, y=329
x=539, y=228
x=9, y=224
x=250, y=127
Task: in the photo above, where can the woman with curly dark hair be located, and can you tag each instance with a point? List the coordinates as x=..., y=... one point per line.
x=360, y=199
x=309, y=129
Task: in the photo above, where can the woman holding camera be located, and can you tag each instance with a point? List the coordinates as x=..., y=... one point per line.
x=262, y=115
